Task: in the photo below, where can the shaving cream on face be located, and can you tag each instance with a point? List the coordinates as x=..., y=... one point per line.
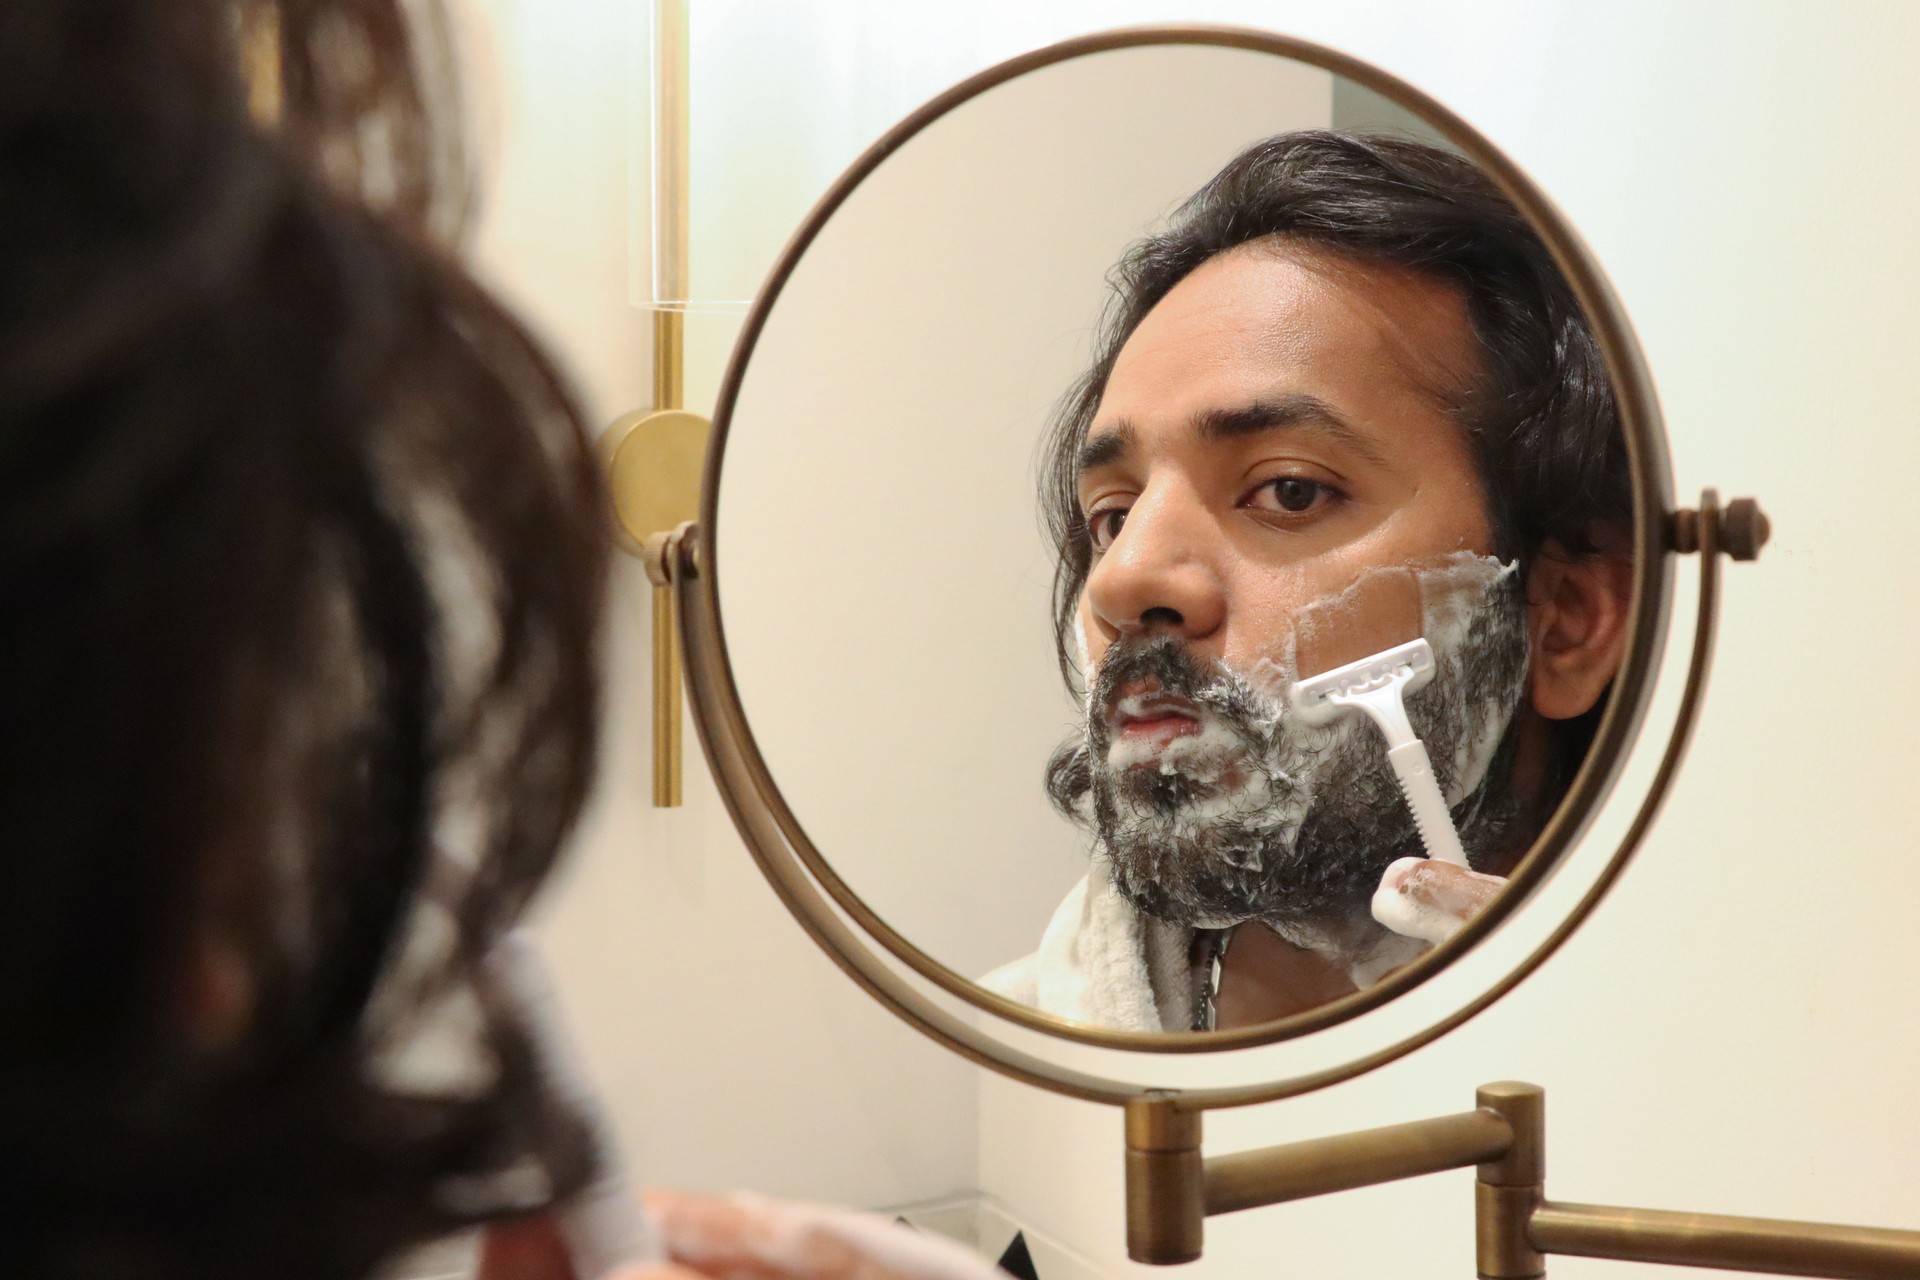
x=1455, y=600
x=1259, y=815
x=1476, y=688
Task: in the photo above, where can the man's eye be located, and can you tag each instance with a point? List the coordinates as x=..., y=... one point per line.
x=1104, y=526
x=1294, y=495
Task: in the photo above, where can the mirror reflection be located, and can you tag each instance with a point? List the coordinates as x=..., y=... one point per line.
x=1335, y=563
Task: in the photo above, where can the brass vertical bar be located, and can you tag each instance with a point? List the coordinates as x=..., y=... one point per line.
x=669, y=359
x=1166, y=1182
x=1510, y=1188
x=671, y=198
x=671, y=203
x=666, y=700
x=658, y=554
x=1726, y=1243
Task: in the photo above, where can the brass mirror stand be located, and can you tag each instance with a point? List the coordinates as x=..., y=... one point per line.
x=1171, y=1190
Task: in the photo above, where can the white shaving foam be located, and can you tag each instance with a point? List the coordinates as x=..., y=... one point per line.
x=1453, y=590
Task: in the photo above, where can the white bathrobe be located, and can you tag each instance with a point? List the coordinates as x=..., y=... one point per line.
x=1101, y=962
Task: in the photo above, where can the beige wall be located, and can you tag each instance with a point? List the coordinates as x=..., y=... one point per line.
x=1732, y=1031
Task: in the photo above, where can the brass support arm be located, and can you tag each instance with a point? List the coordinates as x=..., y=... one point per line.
x=1172, y=1190
x=1725, y=1243
x=1517, y=1226
x=1298, y=1170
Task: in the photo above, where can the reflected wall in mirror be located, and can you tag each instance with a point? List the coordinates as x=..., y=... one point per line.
x=1161, y=479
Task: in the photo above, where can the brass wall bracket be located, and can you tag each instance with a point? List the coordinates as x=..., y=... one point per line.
x=1172, y=1188
x=656, y=457
x=654, y=463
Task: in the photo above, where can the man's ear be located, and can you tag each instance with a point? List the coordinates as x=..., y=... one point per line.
x=1577, y=622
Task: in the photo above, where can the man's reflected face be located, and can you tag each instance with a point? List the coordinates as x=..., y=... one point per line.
x=1282, y=423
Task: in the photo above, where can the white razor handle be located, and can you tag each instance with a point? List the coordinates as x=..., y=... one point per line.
x=1415, y=772
x=1377, y=686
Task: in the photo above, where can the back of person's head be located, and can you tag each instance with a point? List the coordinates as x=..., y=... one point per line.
x=300, y=578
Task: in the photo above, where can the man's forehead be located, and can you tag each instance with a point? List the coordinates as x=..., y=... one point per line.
x=1281, y=323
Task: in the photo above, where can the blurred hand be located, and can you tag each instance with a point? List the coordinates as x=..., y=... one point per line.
x=1429, y=900
x=746, y=1237
x=524, y=1249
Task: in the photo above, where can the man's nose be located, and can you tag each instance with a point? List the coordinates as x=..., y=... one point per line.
x=1161, y=570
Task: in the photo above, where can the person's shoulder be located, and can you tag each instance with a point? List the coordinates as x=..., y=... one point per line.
x=1019, y=980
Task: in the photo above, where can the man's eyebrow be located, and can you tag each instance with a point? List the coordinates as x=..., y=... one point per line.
x=1275, y=413
x=1297, y=409
x=1106, y=448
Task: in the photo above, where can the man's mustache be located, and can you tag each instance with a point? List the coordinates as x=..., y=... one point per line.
x=1175, y=672
x=1162, y=659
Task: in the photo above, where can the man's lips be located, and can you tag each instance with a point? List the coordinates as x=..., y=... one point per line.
x=1153, y=719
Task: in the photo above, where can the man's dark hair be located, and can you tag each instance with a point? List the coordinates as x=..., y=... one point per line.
x=300, y=582
x=1542, y=423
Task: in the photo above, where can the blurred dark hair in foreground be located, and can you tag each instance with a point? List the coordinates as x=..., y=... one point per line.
x=300, y=580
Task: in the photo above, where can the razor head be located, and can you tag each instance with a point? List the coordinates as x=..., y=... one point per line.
x=1324, y=698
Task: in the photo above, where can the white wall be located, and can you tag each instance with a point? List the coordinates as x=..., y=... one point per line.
x=1732, y=1031
x=730, y=1052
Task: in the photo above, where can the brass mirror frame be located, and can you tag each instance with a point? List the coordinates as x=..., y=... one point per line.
x=818, y=897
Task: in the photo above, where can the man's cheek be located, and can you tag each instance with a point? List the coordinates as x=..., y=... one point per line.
x=1266, y=602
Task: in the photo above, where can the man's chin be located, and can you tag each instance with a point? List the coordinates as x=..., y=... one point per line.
x=1172, y=871
x=1217, y=897
x=1146, y=794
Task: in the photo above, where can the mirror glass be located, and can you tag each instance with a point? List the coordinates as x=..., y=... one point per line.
x=1171, y=495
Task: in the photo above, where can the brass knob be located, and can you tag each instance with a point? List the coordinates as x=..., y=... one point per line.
x=1744, y=529
x=1740, y=528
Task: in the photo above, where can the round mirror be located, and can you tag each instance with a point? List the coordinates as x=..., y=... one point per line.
x=1183, y=520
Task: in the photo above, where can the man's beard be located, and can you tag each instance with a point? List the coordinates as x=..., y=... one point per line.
x=1258, y=815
